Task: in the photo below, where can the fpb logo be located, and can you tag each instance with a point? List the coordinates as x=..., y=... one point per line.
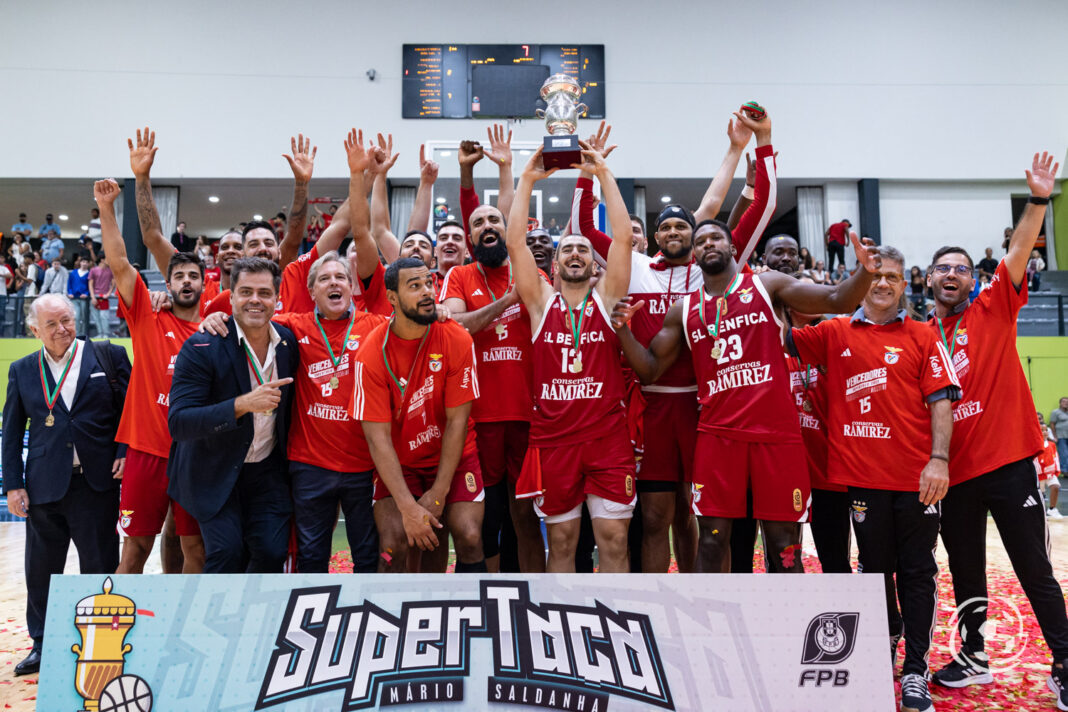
x=1000, y=625
x=829, y=640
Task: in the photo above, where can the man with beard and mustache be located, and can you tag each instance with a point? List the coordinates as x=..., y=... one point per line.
x=781, y=255
x=540, y=244
x=749, y=440
x=481, y=297
x=580, y=450
x=157, y=338
x=415, y=381
x=991, y=452
x=229, y=250
x=668, y=421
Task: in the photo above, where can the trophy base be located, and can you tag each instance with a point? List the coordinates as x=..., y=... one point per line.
x=561, y=151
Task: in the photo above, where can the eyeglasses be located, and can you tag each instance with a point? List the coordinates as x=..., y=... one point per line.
x=890, y=277
x=961, y=270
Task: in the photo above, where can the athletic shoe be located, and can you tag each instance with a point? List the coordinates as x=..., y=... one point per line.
x=1054, y=514
x=1058, y=684
x=914, y=694
x=958, y=674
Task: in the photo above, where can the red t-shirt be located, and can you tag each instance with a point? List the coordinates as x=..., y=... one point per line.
x=322, y=433
x=838, y=233
x=157, y=339
x=1046, y=462
x=982, y=344
x=502, y=349
x=439, y=373
x=211, y=290
x=578, y=393
x=744, y=389
x=877, y=378
x=810, y=398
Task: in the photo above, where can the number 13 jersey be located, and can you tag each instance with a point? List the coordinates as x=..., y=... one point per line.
x=743, y=385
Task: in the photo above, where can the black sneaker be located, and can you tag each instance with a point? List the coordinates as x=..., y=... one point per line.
x=961, y=672
x=1058, y=683
x=914, y=694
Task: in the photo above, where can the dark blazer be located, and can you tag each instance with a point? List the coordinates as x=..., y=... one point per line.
x=209, y=444
x=89, y=425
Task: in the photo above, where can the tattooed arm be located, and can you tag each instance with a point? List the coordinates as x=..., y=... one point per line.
x=301, y=162
x=142, y=154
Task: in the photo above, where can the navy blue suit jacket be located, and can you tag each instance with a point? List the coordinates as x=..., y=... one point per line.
x=89, y=425
x=210, y=444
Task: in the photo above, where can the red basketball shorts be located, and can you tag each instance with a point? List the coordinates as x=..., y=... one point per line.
x=143, y=499
x=670, y=431
x=466, y=482
x=501, y=449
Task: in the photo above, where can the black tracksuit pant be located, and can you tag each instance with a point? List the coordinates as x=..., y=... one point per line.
x=1010, y=493
x=830, y=530
x=896, y=535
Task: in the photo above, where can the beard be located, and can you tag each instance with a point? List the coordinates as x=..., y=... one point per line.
x=176, y=299
x=418, y=317
x=583, y=277
x=491, y=255
x=683, y=251
x=714, y=267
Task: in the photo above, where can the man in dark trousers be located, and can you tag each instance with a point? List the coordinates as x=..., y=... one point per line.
x=229, y=417
x=837, y=237
x=69, y=486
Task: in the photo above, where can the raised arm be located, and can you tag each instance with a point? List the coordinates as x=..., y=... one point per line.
x=583, y=200
x=1041, y=179
x=822, y=299
x=420, y=217
x=301, y=163
x=381, y=229
x=757, y=216
x=615, y=283
x=532, y=289
x=360, y=159
x=745, y=199
x=123, y=273
x=500, y=152
x=142, y=156
x=468, y=155
x=739, y=134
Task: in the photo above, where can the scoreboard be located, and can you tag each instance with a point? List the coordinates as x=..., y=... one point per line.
x=437, y=78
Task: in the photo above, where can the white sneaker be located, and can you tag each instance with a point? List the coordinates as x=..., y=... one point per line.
x=1054, y=514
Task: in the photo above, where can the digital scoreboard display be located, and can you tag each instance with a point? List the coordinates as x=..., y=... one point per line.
x=437, y=79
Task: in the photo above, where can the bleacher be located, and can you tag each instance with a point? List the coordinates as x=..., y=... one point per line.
x=1044, y=314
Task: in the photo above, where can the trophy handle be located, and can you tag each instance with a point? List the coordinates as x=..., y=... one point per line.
x=76, y=649
x=540, y=113
x=581, y=109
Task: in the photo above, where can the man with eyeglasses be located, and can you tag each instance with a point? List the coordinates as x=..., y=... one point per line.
x=995, y=438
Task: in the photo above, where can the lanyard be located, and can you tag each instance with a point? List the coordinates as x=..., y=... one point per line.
x=401, y=385
x=485, y=280
x=577, y=332
x=52, y=396
x=326, y=341
x=714, y=331
x=254, y=363
x=950, y=346
x=671, y=278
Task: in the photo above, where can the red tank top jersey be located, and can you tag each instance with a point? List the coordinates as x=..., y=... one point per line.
x=321, y=432
x=808, y=388
x=877, y=379
x=578, y=392
x=437, y=374
x=157, y=339
x=742, y=381
x=982, y=344
x=1046, y=461
x=502, y=348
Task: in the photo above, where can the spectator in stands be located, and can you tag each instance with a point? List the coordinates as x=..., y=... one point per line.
x=93, y=233
x=1035, y=266
x=1008, y=237
x=49, y=228
x=805, y=258
x=78, y=293
x=51, y=245
x=26, y=281
x=55, y=279
x=553, y=228
x=917, y=288
x=819, y=273
x=19, y=246
x=22, y=227
x=101, y=287
x=83, y=250
x=840, y=274
x=7, y=280
x=181, y=241
x=203, y=249
x=1058, y=423
x=988, y=264
x=836, y=238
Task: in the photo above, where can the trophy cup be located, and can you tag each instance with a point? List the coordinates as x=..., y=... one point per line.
x=103, y=621
x=561, y=93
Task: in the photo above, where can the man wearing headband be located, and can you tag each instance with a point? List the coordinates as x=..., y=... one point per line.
x=669, y=423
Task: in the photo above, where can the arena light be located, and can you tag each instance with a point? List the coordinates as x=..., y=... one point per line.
x=553, y=199
x=85, y=227
x=446, y=154
x=524, y=152
x=440, y=200
x=257, y=217
x=665, y=198
x=63, y=217
x=213, y=199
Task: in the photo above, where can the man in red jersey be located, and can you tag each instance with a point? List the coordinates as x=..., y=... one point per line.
x=991, y=455
x=580, y=447
x=415, y=381
x=329, y=461
x=748, y=436
x=669, y=417
x=890, y=388
x=157, y=338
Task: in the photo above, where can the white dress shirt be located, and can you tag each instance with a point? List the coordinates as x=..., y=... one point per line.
x=262, y=423
x=71, y=384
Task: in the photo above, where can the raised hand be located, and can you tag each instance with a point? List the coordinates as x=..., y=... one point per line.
x=500, y=150
x=384, y=156
x=867, y=252
x=761, y=128
x=739, y=134
x=143, y=154
x=360, y=157
x=1041, y=179
x=750, y=170
x=105, y=192
x=428, y=170
x=599, y=140
x=303, y=159
x=592, y=160
x=470, y=153
x=535, y=168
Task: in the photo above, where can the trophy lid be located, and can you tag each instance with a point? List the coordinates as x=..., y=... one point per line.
x=561, y=83
x=106, y=603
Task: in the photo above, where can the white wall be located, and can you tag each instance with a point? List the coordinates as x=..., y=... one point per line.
x=857, y=88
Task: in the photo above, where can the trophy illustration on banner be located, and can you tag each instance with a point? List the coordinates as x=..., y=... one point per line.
x=561, y=93
x=103, y=620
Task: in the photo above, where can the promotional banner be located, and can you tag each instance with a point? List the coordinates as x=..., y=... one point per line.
x=466, y=642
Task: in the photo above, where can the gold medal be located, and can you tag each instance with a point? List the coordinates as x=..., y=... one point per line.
x=716, y=352
x=50, y=420
x=499, y=329
x=806, y=405
x=576, y=365
x=334, y=382
x=270, y=412
x=722, y=306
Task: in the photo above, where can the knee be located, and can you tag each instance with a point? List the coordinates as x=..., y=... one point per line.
x=711, y=536
x=614, y=539
x=468, y=541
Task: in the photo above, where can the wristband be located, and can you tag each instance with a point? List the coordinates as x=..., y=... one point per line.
x=940, y=457
x=747, y=192
x=1035, y=200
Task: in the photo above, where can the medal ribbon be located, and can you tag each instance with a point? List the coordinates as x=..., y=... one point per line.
x=389, y=369
x=252, y=361
x=485, y=280
x=52, y=396
x=951, y=345
x=576, y=333
x=714, y=332
x=329, y=348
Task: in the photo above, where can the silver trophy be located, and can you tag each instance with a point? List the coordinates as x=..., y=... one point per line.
x=561, y=93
